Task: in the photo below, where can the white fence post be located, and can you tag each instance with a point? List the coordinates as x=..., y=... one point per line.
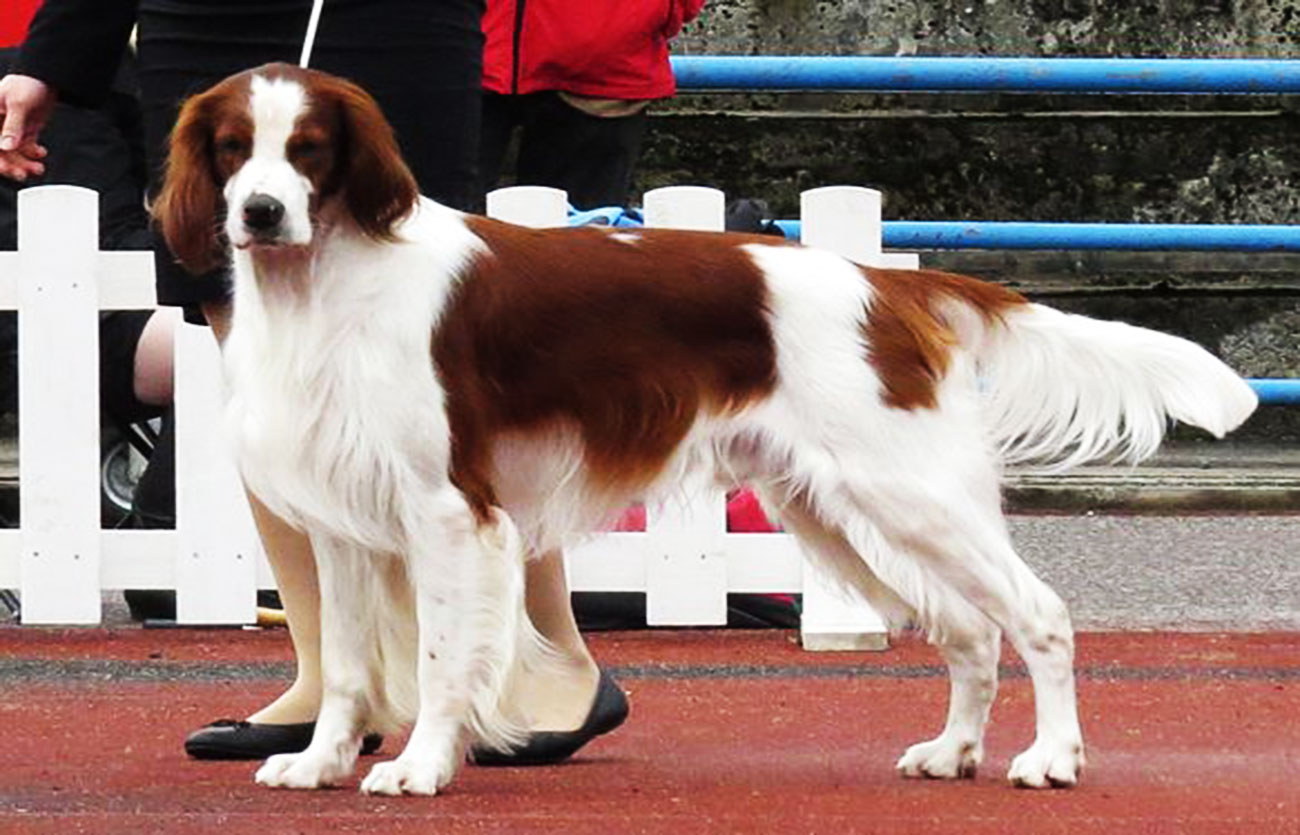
x=685, y=207
x=218, y=550
x=845, y=220
x=842, y=219
x=58, y=382
x=536, y=206
x=686, y=575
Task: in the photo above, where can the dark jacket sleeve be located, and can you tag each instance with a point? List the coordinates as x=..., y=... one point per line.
x=75, y=46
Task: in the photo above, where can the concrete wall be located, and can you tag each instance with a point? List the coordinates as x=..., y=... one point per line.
x=1171, y=158
x=998, y=27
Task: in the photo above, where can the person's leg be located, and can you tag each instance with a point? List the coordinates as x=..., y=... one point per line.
x=294, y=565
x=590, y=157
x=500, y=117
x=152, y=364
x=558, y=698
x=423, y=64
x=290, y=556
x=132, y=393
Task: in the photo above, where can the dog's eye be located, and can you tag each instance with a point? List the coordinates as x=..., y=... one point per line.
x=305, y=147
x=230, y=145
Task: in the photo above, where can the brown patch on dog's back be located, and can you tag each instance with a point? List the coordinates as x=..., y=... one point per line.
x=629, y=337
x=908, y=339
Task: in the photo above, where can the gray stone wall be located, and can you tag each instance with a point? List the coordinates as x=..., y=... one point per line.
x=1188, y=28
x=1205, y=159
x=1106, y=158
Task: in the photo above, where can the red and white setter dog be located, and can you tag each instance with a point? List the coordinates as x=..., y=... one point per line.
x=431, y=396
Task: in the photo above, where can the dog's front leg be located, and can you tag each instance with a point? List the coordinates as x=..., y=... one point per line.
x=349, y=585
x=468, y=582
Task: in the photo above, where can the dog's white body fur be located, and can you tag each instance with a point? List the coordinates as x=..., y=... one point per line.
x=340, y=426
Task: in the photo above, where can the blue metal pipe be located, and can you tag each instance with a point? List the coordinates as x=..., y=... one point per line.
x=963, y=74
x=1277, y=392
x=944, y=234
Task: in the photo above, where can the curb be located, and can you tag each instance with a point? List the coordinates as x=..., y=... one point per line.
x=1156, y=490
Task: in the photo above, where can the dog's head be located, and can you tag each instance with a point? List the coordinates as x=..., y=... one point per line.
x=260, y=157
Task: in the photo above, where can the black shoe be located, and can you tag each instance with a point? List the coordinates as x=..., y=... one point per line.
x=233, y=739
x=608, y=711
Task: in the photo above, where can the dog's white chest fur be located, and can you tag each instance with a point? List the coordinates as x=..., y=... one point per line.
x=332, y=402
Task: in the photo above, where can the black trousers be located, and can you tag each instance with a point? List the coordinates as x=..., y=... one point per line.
x=590, y=157
x=422, y=60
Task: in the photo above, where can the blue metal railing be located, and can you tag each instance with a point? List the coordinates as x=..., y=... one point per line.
x=957, y=234
x=1009, y=75
x=1277, y=392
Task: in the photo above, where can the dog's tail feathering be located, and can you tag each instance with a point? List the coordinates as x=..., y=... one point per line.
x=1062, y=389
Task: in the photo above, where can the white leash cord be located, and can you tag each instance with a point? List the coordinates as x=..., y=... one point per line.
x=305, y=59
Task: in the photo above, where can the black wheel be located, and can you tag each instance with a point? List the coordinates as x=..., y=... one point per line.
x=120, y=468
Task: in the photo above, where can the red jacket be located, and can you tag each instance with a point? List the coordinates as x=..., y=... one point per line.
x=14, y=17
x=616, y=49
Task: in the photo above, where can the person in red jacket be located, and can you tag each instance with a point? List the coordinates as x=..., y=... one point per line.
x=575, y=78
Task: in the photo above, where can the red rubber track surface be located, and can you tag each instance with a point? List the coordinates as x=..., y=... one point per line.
x=730, y=731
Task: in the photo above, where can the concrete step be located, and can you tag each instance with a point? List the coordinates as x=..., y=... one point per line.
x=1183, y=477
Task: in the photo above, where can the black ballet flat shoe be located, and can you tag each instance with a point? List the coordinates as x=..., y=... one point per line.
x=608, y=711
x=234, y=739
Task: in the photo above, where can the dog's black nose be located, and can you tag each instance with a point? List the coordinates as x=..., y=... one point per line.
x=262, y=212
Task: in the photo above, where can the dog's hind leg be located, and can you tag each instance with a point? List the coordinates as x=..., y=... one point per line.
x=351, y=579
x=823, y=543
x=971, y=653
x=468, y=581
x=952, y=524
x=900, y=591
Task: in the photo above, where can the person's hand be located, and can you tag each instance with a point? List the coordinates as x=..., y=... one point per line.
x=25, y=105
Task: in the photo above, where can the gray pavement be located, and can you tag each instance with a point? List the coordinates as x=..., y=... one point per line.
x=1236, y=572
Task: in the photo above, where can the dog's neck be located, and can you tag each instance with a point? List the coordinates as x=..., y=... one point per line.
x=277, y=275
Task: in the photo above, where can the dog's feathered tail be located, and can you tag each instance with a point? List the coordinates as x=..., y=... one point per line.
x=1061, y=389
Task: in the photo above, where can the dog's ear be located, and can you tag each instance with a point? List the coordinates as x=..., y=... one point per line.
x=187, y=207
x=377, y=187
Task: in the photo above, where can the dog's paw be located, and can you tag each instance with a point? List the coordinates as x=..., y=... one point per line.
x=399, y=777
x=302, y=771
x=1048, y=765
x=943, y=758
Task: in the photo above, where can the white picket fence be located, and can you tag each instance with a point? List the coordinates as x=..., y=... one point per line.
x=685, y=561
